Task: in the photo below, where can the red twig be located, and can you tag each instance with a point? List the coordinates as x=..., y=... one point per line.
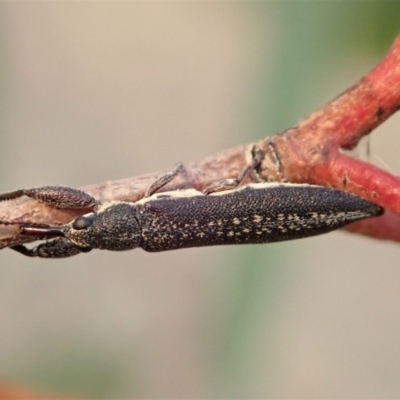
x=313, y=151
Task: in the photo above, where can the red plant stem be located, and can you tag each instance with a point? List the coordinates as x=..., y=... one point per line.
x=364, y=179
x=313, y=151
x=385, y=227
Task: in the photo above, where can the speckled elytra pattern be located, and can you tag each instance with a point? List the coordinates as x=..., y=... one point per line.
x=248, y=215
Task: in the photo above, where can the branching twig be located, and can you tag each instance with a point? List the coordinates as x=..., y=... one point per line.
x=311, y=152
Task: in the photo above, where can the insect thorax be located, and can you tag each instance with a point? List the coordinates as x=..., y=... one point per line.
x=114, y=227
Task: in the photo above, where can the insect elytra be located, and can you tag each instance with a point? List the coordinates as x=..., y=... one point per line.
x=255, y=213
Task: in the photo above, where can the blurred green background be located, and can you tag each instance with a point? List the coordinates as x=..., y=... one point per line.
x=103, y=90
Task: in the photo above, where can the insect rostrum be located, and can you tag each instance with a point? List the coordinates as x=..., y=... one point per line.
x=256, y=213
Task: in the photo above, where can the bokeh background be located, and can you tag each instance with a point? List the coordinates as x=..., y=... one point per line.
x=94, y=91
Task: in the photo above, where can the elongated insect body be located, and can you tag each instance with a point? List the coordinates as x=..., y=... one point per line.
x=256, y=213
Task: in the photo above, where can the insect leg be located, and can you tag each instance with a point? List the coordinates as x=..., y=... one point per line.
x=163, y=180
x=57, y=248
x=227, y=184
x=56, y=196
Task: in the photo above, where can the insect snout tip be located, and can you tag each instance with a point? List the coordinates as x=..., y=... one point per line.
x=48, y=232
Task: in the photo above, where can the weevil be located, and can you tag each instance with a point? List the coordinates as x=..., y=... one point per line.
x=225, y=213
